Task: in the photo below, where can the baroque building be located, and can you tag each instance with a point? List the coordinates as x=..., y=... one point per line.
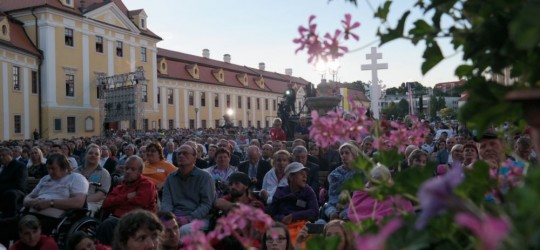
x=72, y=68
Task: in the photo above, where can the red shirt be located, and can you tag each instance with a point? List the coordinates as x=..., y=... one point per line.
x=118, y=203
x=45, y=243
x=277, y=134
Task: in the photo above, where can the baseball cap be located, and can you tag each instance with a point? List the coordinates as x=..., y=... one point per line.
x=293, y=168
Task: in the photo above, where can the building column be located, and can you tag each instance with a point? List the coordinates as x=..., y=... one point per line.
x=186, y=113
x=5, y=98
x=163, y=96
x=177, y=107
x=86, y=70
x=26, y=89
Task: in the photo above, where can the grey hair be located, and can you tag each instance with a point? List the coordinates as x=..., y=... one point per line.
x=299, y=149
x=137, y=159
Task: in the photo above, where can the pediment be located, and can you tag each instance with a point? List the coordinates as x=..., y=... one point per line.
x=112, y=15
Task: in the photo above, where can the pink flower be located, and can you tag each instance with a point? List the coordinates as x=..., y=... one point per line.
x=349, y=27
x=400, y=135
x=310, y=39
x=490, y=230
x=333, y=47
x=245, y=223
x=197, y=239
x=376, y=242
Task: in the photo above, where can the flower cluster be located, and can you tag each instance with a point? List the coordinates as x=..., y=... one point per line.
x=335, y=126
x=197, y=239
x=490, y=230
x=329, y=48
x=400, y=135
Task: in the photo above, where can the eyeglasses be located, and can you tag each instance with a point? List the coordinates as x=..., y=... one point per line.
x=279, y=240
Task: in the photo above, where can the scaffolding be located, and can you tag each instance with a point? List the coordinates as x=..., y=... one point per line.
x=122, y=98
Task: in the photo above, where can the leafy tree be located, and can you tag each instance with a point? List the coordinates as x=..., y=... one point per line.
x=432, y=107
x=448, y=113
x=391, y=110
x=360, y=85
x=403, y=107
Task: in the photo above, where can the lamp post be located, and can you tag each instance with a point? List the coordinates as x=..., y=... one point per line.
x=196, y=117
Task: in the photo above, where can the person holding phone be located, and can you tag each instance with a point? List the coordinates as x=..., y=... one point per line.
x=330, y=229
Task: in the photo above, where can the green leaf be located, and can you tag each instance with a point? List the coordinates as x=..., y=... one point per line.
x=464, y=70
x=525, y=28
x=432, y=55
x=393, y=34
x=477, y=182
x=323, y=243
x=382, y=11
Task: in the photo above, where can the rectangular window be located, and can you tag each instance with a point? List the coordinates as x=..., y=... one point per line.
x=258, y=104
x=16, y=78
x=191, y=124
x=170, y=96
x=159, y=123
x=143, y=23
x=267, y=124
x=99, y=44
x=68, y=37
x=203, y=123
x=203, y=99
x=144, y=93
x=145, y=124
x=171, y=123
x=216, y=100
x=191, y=98
x=70, y=85
x=17, y=126
x=240, y=123
x=258, y=124
x=228, y=101
x=266, y=104
x=249, y=103
x=34, y=82
x=71, y=124
x=216, y=123
x=119, y=49
x=239, y=102
x=143, y=54
x=57, y=124
x=158, y=95
x=274, y=105
x=249, y=124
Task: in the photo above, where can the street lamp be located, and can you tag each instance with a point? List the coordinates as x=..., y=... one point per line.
x=196, y=117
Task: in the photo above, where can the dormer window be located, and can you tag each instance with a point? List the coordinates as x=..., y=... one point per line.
x=4, y=29
x=67, y=3
x=143, y=23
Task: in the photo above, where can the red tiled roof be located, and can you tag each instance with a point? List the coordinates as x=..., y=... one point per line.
x=11, y=5
x=176, y=62
x=18, y=39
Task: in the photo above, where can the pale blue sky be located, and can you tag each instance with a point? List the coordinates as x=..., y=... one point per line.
x=254, y=31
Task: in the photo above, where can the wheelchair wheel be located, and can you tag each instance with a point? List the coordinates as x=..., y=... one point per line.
x=86, y=224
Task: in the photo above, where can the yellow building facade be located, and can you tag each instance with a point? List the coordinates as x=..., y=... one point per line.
x=76, y=42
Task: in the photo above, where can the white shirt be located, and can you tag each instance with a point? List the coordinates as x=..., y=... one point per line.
x=270, y=184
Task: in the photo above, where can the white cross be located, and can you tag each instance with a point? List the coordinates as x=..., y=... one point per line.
x=375, y=88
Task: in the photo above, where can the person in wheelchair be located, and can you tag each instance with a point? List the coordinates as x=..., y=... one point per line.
x=57, y=192
x=30, y=236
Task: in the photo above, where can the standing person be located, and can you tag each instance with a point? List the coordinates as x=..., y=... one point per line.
x=276, y=176
x=189, y=192
x=96, y=175
x=13, y=175
x=276, y=132
x=138, y=229
x=30, y=237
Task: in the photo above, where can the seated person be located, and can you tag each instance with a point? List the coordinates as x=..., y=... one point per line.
x=170, y=238
x=363, y=206
x=13, y=175
x=277, y=237
x=136, y=191
x=56, y=192
x=221, y=171
x=156, y=167
x=275, y=177
x=30, y=236
x=296, y=203
x=331, y=229
x=138, y=229
x=82, y=241
x=238, y=193
x=189, y=192
x=98, y=176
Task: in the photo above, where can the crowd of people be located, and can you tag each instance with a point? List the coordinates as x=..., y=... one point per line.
x=147, y=189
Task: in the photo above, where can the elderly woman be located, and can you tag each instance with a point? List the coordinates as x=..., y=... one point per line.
x=295, y=203
x=275, y=177
x=349, y=154
x=221, y=171
x=157, y=168
x=57, y=192
x=470, y=153
x=98, y=176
